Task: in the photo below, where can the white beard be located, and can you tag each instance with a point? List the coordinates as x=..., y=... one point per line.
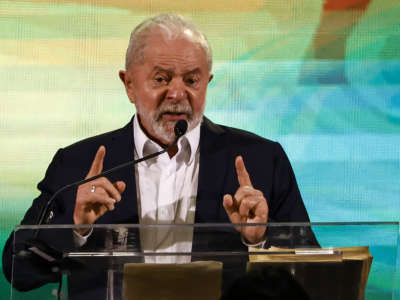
x=164, y=129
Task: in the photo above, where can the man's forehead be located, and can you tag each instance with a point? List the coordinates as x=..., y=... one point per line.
x=170, y=55
x=157, y=41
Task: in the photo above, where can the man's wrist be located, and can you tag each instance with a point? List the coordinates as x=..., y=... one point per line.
x=258, y=245
x=81, y=239
x=82, y=232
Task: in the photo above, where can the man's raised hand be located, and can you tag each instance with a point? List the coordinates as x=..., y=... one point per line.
x=248, y=205
x=95, y=198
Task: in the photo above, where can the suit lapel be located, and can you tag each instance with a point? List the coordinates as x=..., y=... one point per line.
x=214, y=159
x=121, y=150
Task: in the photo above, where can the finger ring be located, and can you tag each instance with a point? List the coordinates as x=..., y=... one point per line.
x=93, y=189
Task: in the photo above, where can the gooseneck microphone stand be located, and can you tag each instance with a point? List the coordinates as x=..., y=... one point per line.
x=37, y=248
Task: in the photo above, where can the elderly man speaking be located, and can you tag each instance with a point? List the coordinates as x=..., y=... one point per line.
x=213, y=174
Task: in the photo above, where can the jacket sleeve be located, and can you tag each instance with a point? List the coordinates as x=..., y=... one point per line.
x=287, y=205
x=26, y=271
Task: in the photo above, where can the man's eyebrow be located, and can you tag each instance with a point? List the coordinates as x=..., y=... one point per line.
x=158, y=68
x=195, y=70
x=161, y=69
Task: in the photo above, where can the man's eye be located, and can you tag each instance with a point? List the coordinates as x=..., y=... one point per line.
x=191, y=81
x=160, y=79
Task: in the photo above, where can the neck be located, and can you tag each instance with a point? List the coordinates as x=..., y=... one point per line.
x=173, y=151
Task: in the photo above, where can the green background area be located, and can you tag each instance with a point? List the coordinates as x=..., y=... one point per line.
x=279, y=71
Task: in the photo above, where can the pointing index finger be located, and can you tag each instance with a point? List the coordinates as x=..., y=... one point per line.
x=97, y=164
x=243, y=176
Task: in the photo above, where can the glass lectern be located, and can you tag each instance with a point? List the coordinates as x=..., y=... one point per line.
x=206, y=261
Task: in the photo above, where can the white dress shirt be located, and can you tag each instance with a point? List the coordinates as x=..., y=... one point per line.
x=166, y=193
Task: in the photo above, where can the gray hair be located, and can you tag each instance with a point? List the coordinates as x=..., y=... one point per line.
x=173, y=26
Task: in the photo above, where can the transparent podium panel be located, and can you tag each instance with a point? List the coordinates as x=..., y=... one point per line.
x=346, y=261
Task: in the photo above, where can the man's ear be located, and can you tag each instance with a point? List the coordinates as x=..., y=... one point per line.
x=122, y=76
x=126, y=79
x=210, y=78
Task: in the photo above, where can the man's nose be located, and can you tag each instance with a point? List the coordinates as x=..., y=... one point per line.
x=176, y=90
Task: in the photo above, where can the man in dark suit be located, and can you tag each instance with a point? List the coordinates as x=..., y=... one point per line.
x=219, y=174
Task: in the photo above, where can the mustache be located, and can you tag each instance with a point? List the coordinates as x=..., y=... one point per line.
x=174, y=108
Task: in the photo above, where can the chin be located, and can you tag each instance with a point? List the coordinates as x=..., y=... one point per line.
x=165, y=134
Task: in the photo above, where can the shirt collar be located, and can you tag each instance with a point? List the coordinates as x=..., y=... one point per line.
x=145, y=146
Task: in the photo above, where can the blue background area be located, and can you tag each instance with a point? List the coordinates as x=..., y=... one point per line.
x=343, y=139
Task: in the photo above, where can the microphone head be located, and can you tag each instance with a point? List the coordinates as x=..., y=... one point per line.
x=180, y=128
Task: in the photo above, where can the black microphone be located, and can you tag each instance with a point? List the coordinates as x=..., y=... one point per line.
x=36, y=246
x=180, y=129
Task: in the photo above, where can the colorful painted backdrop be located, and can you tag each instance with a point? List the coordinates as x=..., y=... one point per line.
x=320, y=77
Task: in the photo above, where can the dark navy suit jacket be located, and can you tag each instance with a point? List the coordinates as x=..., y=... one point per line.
x=269, y=168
